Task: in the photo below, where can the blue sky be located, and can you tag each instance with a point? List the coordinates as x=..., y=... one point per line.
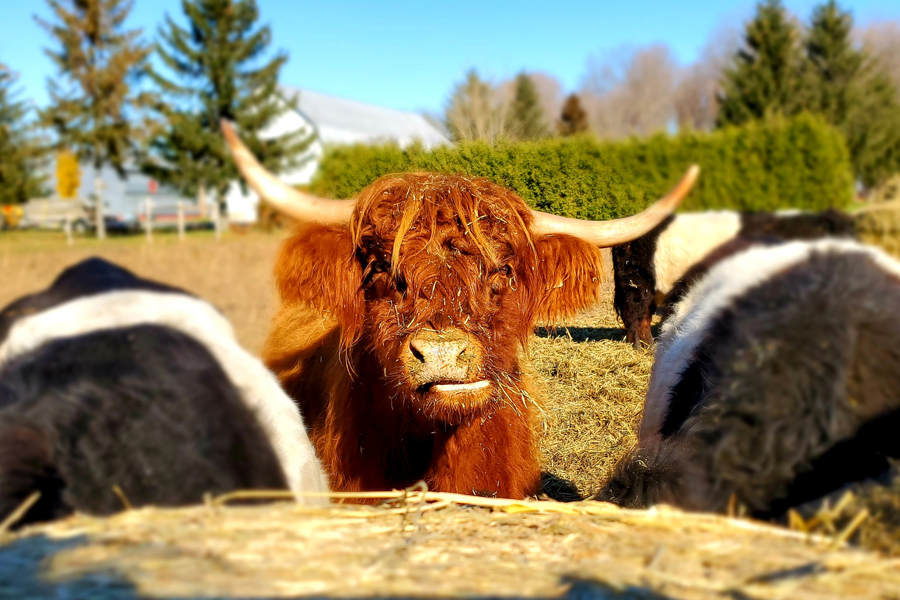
x=407, y=55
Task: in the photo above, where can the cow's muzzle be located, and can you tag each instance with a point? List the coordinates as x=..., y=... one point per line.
x=444, y=362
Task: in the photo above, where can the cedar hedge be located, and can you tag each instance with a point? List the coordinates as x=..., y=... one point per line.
x=800, y=163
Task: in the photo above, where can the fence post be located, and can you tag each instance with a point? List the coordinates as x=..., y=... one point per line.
x=148, y=220
x=98, y=210
x=180, y=206
x=217, y=219
x=68, y=229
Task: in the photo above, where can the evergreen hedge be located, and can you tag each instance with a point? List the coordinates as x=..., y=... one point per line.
x=785, y=163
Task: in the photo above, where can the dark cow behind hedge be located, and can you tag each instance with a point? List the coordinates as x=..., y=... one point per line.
x=115, y=388
x=646, y=269
x=776, y=382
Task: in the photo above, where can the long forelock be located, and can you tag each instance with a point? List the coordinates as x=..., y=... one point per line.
x=401, y=204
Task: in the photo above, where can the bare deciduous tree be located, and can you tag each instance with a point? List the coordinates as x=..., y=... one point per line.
x=550, y=90
x=478, y=109
x=630, y=91
x=695, y=99
x=882, y=40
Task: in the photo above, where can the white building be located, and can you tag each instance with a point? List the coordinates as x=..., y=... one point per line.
x=335, y=121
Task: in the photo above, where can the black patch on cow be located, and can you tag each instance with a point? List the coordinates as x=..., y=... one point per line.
x=686, y=394
x=792, y=393
x=147, y=409
x=800, y=226
x=866, y=455
x=635, y=281
x=87, y=278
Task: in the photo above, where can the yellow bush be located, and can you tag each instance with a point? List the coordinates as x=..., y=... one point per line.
x=68, y=175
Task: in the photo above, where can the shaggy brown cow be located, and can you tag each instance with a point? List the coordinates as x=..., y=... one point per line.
x=405, y=314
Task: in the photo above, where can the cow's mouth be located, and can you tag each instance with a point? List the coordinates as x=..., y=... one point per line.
x=460, y=387
x=451, y=387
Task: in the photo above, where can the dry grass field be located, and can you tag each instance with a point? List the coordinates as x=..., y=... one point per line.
x=593, y=385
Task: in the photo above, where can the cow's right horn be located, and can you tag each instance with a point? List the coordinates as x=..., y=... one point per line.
x=282, y=197
x=618, y=231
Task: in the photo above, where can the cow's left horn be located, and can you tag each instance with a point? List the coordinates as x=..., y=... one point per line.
x=618, y=231
x=283, y=198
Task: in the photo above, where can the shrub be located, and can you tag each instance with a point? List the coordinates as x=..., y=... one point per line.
x=783, y=163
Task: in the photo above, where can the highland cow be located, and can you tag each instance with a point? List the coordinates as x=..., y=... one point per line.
x=404, y=316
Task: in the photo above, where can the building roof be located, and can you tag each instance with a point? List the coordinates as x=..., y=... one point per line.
x=342, y=121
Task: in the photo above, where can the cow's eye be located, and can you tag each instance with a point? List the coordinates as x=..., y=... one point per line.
x=505, y=270
x=400, y=283
x=374, y=268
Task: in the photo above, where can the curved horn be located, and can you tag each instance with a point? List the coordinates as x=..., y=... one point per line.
x=618, y=231
x=283, y=198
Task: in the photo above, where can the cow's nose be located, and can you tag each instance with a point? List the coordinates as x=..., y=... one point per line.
x=442, y=354
x=438, y=356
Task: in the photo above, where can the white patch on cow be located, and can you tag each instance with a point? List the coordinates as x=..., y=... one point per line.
x=277, y=414
x=728, y=280
x=687, y=239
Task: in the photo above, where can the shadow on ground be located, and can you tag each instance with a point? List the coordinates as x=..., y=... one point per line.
x=587, y=334
x=582, y=334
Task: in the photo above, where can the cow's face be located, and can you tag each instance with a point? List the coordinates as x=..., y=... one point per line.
x=439, y=280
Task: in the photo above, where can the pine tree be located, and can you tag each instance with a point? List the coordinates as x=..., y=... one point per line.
x=20, y=150
x=100, y=62
x=215, y=73
x=526, y=116
x=573, y=118
x=852, y=93
x=763, y=79
x=68, y=175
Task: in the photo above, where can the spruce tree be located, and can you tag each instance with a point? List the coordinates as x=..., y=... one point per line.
x=526, y=116
x=216, y=71
x=832, y=63
x=100, y=61
x=852, y=93
x=573, y=118
x=20, y=150
x=763, y=79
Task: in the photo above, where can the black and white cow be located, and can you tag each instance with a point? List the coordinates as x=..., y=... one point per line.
x=645, y=270
x=114, y=386
x=776, y=382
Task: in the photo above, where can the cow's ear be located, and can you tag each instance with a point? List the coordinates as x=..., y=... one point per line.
x=566, y=278
x=317, y=266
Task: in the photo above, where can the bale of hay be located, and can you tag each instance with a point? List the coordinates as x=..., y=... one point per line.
x=433, y=545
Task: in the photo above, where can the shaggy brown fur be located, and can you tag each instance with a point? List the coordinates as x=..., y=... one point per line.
x=423, y=253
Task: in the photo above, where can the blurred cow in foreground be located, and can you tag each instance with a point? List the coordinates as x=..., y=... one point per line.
x=404, y=316
x=776, y=382
x=116, y=389
x=646, y=269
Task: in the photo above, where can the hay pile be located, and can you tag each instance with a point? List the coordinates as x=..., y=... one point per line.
x=431, y=547
x=593, y=384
